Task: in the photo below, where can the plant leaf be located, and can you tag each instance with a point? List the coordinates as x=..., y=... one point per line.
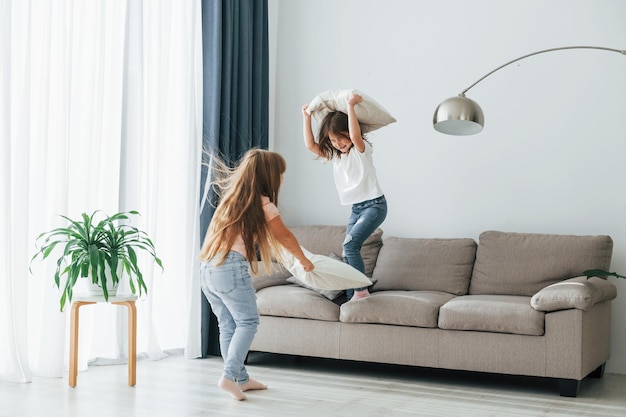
x=601, y=274
x=85, y=246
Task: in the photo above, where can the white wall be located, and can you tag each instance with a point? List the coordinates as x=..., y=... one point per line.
x=549, y=159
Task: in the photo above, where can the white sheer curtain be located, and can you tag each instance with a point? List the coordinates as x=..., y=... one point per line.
x=100, y=108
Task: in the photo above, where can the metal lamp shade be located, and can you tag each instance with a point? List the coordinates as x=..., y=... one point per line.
x=458, y=116
x=462, y=116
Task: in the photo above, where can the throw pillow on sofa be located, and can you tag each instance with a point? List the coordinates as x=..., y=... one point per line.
x=579, y=292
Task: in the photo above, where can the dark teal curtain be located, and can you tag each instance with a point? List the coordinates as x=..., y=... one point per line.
x=235, y=103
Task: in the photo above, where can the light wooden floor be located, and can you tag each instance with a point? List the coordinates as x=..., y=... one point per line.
x=180, y=387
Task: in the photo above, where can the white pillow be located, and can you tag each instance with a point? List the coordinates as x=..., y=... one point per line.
x=331, y=295
x=329, y=274
x=370, y=113
x=578, y=292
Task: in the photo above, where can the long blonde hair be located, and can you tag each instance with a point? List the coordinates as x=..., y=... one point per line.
x=240, y=210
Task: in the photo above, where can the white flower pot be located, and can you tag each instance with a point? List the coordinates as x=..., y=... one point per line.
x=92, y=289
x=96, y=289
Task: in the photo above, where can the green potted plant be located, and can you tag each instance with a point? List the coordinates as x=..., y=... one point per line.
x=601, y=274
x=99, y=247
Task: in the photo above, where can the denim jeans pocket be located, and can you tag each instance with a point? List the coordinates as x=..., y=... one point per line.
x=223, y=280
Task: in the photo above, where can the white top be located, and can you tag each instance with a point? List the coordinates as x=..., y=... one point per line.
x=355, y=176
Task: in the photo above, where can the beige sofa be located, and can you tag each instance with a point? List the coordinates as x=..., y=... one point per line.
x=515, y=303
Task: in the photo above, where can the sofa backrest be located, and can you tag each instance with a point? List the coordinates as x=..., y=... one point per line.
x=523, y=263
x=327, y=240
x=425, y=265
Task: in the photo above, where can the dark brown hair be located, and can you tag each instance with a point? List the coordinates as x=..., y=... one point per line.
x=335, y=122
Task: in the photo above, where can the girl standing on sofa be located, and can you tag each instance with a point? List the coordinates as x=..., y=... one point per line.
x=245, y=219
x=340, y=140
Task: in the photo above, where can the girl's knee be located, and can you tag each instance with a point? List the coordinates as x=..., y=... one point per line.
x=350, y=246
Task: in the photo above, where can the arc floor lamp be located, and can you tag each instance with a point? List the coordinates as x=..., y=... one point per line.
x=461, y=115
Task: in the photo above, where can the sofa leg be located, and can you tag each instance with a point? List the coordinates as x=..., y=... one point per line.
x=568, y=387
x=599, y=372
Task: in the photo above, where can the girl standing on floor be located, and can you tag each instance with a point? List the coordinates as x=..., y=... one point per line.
x=340, y=140
x=246, y=219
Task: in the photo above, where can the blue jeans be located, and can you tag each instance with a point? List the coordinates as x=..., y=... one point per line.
x=364, y=220
x=229, y=290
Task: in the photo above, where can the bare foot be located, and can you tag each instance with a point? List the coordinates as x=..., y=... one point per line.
x=252, y=384
x=232, y=388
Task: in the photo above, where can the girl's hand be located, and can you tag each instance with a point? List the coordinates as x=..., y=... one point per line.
x=307, y=265
x=305, y=113
x=354, y=99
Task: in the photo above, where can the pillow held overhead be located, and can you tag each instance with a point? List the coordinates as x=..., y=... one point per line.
x=370, y=113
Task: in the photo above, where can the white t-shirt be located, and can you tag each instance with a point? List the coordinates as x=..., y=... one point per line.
x=355, y=176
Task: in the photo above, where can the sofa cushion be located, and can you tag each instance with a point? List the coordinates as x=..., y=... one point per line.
x=402, y=308
x=579, y=292
x=524, y=263
x=279, y=275
x=295, y=301
x=325, y=240
x=425, y=265
x=492, y=313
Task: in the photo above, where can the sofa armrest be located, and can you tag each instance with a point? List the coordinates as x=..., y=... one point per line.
x=578, y=292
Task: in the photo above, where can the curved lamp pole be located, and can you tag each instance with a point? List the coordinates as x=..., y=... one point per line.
x=463, y=116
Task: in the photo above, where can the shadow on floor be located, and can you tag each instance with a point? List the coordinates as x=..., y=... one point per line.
x=405, y=373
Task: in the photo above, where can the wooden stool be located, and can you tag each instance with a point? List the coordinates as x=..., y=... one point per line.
x=128, y=301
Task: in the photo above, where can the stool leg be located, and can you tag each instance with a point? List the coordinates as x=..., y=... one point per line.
x=132, y=341
x=74, y=341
